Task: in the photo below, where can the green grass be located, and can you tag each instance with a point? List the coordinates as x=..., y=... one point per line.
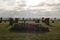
x=54, y=33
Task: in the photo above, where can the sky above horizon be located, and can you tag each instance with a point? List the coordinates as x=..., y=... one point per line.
x=39, y=7
x=29, y=4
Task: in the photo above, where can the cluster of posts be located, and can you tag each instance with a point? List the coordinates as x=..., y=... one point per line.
x=12, y=21
x=25, y=26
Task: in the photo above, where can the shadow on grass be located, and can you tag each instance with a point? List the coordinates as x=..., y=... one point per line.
x=27, y=32
x=51, y=25
x=29, y=28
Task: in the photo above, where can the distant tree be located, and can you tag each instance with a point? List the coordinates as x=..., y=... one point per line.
x=16, y=20
x=47, y=21
x=55, y=18
x=11, y=21
x=1, y=20
x=42, y=19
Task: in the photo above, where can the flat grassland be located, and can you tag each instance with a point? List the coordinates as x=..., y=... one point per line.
x=54, y=33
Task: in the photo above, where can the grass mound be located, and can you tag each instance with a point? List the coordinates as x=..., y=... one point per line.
x=28, y=28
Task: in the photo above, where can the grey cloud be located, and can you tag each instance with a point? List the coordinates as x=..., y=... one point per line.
x=29, y=13
x=20, y=5
x=7, y=2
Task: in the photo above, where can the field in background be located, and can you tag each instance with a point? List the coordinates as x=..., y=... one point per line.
x=54, y=33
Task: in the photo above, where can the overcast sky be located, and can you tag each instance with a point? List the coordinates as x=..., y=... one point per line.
x=12, y=4
x=46, y=5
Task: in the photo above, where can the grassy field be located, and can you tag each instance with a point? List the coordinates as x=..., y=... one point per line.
x=54, y=33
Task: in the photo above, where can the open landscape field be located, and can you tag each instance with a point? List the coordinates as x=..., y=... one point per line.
x=54, y=33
